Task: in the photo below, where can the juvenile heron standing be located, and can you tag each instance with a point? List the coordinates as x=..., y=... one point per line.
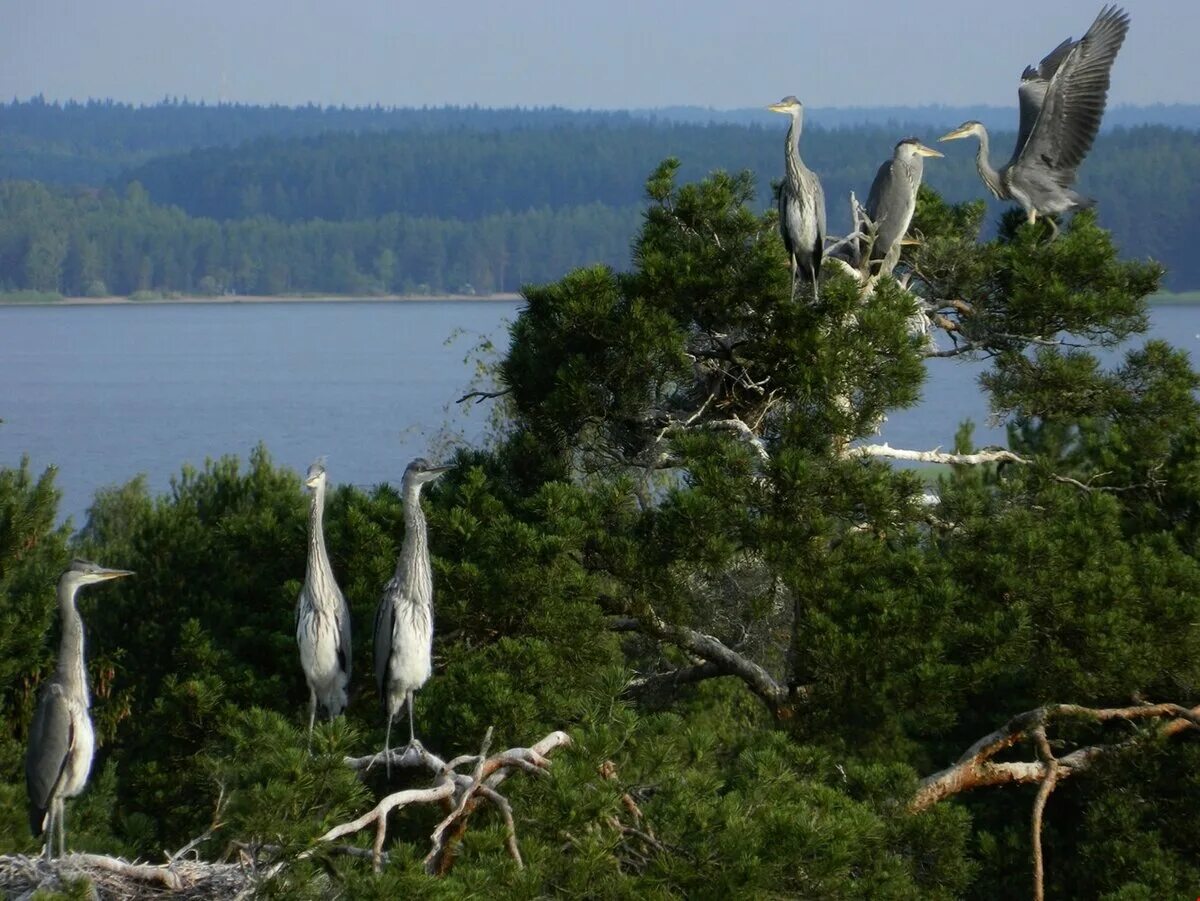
x=322, y=617
x=404, y=619
x=61, y=740
x=893, y=196
x=801, y=202
x=1062, y=102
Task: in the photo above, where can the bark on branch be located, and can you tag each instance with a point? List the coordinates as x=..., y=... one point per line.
x=781, y=699
x=977, y=769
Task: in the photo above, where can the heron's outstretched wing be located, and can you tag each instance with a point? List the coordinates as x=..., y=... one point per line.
x=1032, y=91
x=1074, y=100
x=384, y=616
x=51, y=737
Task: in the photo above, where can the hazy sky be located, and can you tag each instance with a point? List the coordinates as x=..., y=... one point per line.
x=632, y=53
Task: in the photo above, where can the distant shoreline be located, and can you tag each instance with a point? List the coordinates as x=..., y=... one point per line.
x=263, y=298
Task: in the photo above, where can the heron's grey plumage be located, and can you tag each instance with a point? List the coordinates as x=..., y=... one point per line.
x=893, y=196
x=61, y=740
x=801, y=202
x=1062, y=101
x=404, y=618
x=322, y=617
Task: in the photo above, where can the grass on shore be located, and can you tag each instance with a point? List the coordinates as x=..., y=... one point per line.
x=1180, y=297
x=30, y=296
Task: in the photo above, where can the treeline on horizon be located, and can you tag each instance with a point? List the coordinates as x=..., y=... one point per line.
x=381, y=201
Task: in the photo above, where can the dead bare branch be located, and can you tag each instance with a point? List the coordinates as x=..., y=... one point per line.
x=480, y=396
x=461, y=791
x=936, y=455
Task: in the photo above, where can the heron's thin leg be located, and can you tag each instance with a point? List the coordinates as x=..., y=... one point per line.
x=49, y=851
x=312, y=715
x=387, y=745
x=795, y=269
x=412, y=734
x=1053, y=227
x=814, y=284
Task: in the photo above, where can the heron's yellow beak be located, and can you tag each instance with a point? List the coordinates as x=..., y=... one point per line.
x=115, y=574
x=963, y=132
x=779, y=108
x=922, y=150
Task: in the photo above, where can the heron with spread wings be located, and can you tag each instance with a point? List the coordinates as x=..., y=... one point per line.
x=1062, y=102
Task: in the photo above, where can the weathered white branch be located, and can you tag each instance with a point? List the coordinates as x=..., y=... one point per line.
x=935, y=456
x=464, y=792
x=743, y=431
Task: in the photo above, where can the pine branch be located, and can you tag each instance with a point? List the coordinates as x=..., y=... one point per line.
x=780, y=699
x=977, y=769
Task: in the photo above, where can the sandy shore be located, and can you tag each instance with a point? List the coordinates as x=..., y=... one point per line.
x=283, y=298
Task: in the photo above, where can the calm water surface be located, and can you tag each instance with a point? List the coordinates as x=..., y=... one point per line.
x=107, y=392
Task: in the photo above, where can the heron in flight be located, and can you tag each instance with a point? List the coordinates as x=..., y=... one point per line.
x=801, y=202
x=61, y=739
x=1062, y=102
x=404, y=618
x=893, y=196
x=322, y=617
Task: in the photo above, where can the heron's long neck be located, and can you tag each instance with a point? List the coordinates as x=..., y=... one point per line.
x=70, y=672
x=414, y=552
x=792, y=149
x=990, y=176
x=318, y=559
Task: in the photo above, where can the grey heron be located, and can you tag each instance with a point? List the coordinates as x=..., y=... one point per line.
x=1062, y=102
x=322, y=617
x=61, y=740
x=404, y=618
x=801, y=202
x=893, y=196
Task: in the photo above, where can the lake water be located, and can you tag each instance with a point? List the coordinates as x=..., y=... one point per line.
x=106, y=392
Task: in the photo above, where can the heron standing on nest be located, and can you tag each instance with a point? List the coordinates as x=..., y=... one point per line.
x=404, y=619
x=61, y=739
x=801, y=202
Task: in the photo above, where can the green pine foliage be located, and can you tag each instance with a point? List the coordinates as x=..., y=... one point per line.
x=674, y=490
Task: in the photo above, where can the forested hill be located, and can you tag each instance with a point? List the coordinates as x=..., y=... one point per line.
x=442, y=199
x=92, y=142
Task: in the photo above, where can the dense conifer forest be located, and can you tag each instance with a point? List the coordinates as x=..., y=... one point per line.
x=734, y=651
x=106, y=198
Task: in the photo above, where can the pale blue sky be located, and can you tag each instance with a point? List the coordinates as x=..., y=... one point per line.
x=632, y=53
